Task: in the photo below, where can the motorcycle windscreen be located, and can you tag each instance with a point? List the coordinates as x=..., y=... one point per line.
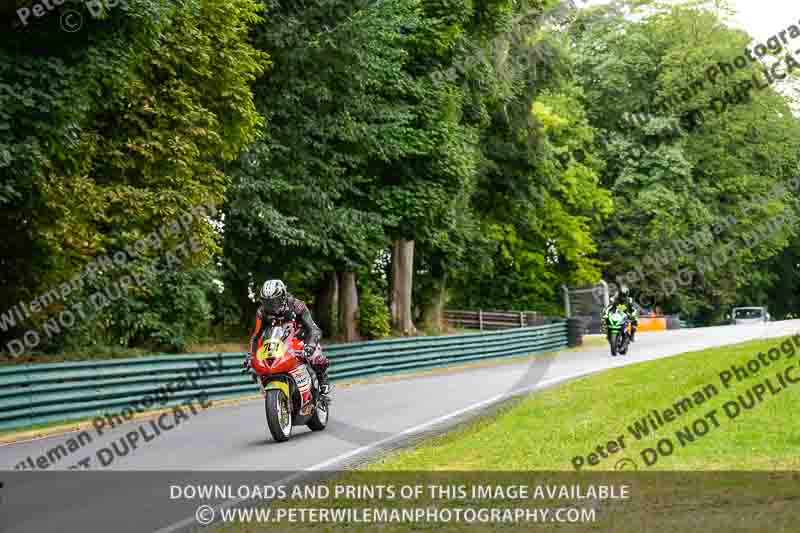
x=274, y=345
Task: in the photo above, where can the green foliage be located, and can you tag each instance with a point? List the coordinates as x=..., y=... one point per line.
x=373, y=312
x=122, y=127
x=673, y=174
x=539, y=198
x=327, y=130
x=175, y=312
x=335, y=108
x=178, y=311
x=776, y=284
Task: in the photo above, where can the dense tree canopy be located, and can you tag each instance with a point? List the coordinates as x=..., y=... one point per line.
x=690, y=157
x=390, y=159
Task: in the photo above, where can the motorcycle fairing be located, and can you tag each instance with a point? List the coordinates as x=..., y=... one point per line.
x=302, y=379
x=279, y=385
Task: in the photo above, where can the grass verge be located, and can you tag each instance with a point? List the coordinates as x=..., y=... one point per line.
x=549, y=429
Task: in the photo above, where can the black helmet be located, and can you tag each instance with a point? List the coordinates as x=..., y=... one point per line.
x=622, y=296
x=274, y=297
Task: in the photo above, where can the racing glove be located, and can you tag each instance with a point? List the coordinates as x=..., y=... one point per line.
x=308, y=351
x=247, y=368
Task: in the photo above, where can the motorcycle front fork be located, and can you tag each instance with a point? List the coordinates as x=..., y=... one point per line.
x=608, y=334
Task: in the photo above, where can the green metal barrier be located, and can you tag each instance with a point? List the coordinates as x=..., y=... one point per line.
x=41, y=393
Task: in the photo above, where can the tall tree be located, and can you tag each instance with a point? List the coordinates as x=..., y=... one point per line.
x=694, y=155
x=340, y=107
x=538, y=196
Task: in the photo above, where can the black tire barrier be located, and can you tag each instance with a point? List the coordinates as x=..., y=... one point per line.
x=575, y=332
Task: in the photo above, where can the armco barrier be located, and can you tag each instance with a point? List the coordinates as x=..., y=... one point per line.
x=41, y=393
x=494, y=320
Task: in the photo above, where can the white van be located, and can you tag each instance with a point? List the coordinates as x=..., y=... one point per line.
x=749, y=315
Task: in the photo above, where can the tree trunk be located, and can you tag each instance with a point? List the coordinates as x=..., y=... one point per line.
x=402, y=279
x=327, y=304
x=348, y=306
x=433, y=312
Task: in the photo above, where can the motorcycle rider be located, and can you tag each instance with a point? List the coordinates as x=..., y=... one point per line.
x=277, y=304
x=624, y=302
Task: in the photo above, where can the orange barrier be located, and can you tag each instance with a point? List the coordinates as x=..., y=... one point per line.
x=652, y=324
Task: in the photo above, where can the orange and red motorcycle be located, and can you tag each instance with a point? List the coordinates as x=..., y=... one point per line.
x=290, y=387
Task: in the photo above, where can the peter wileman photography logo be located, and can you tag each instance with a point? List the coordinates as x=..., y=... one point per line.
x=70, y=20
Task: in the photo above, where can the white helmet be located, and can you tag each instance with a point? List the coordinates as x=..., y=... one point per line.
x=274, y=296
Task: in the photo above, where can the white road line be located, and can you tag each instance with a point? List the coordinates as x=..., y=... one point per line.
x=363, y=449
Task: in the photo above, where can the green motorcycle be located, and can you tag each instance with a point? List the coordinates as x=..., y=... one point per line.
x=618, y=331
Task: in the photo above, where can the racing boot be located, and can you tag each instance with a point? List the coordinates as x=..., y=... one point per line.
x=324, y=386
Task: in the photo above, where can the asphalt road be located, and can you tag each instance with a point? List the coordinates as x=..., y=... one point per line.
x=365, y=420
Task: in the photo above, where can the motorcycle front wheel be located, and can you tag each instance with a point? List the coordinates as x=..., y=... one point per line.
x=279, y=418
x=612, y=341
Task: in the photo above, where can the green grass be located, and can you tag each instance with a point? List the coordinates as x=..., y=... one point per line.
x=547, y=430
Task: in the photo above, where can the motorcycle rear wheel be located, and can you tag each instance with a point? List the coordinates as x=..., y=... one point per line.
x=319, y=420
x=279, y=418
x=624, y=343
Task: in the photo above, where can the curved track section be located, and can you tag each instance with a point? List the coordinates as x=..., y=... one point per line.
x=365, y=419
